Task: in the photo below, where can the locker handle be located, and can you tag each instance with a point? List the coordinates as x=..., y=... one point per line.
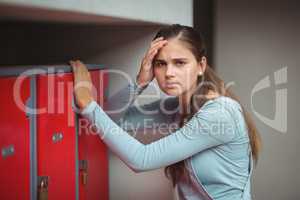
x=43, y=188
x=8, y=151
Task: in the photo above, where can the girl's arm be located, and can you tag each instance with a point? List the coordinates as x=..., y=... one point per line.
x=130, y=116
x=210, y=126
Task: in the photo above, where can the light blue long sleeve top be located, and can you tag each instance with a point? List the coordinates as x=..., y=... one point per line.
x=214, y=143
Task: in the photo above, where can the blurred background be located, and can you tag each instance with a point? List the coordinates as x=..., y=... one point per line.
x=253, y=45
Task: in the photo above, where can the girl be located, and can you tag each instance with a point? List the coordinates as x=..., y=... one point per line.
x=211, y=154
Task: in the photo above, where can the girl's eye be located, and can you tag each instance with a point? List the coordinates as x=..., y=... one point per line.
x=159, y=64
x=179, y=63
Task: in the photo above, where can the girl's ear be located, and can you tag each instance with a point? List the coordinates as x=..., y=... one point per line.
x=202, y=64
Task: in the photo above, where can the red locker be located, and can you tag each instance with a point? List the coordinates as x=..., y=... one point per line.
x=14, y=141
x=93, y=183
x=68, y=161
x=56, y=137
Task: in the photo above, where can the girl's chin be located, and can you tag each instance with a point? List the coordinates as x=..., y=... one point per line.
x=172, y=91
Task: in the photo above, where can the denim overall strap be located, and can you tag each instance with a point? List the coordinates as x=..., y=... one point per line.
x=247, y=188
x=201, y=191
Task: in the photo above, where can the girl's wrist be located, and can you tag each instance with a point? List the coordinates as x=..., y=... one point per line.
x=84, y=103
x=139, y=83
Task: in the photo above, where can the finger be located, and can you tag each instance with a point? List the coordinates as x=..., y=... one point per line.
x=159, y=38
x=149, y=57
x=81, y=66
x=76, y=65
x=160, y=43
x=151, y=52
x=72, y=63
x=79, y=62
x=152, y=55
x=156, y=48
x=76, y=71
x=83, y=71
x=156, y=41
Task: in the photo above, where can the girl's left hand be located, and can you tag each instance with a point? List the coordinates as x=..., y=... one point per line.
x=82, y=84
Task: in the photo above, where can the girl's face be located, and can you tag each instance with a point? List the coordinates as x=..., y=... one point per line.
x=176, y=68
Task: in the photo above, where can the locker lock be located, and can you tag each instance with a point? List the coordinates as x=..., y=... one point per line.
x=57, y=137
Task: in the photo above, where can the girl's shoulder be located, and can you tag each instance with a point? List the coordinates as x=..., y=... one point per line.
x=223, y=106
x=223, y=103
x=234, y=110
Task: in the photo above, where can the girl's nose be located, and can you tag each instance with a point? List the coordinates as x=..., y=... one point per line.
x=170, y=71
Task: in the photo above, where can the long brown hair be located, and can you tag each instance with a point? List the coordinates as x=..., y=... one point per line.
x=195, y=43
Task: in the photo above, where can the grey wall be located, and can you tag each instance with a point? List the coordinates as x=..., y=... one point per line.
x=104, y=11
x=253, y=39
x=117, y=47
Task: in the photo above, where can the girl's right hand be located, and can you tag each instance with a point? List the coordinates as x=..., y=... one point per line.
x=146, y=74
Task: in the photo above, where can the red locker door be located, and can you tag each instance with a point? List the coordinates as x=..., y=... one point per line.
x=14, y=141
x=56, y=135
x=93, y=158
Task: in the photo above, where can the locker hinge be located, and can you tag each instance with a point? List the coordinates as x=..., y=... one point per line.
x=83, y=167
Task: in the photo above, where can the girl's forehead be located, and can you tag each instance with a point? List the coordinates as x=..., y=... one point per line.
x=174, y=49
x=176, y=43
